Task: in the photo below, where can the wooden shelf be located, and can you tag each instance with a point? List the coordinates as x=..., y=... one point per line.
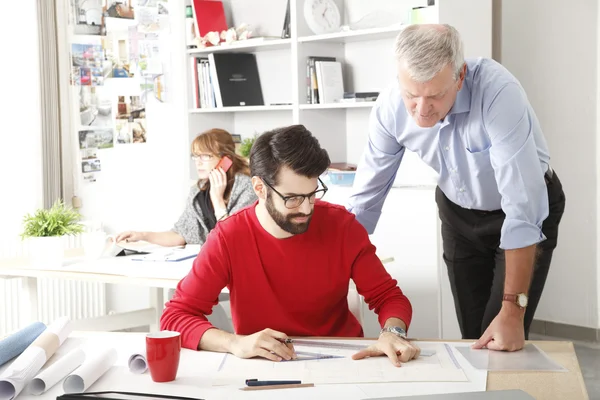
x=354, y=36
x=240, y=109
x=361, y=104
x=245, y=46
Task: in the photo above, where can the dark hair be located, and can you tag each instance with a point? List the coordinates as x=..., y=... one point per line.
x=220, y=143
x=291, y=146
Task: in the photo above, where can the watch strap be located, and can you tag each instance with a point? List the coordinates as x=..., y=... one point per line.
x=396, y=330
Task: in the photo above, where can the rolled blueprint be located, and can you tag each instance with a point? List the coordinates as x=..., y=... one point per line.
x=92, y=368
x=56, y=372
x=137, y=361
x=29, y=363
x=15, y=344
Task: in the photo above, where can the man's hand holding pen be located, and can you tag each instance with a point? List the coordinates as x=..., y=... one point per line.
x=267, y=343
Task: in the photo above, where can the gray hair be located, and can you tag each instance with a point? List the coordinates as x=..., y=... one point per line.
x=426, y=49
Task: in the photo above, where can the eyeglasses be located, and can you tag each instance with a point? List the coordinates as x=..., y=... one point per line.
x=202, y=157
x=296, y=200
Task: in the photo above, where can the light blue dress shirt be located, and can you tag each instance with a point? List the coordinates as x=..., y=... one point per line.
x=489, y=153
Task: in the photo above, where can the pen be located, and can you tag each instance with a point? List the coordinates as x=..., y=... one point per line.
x=256, y=382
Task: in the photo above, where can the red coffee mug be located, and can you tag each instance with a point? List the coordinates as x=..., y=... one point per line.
x=162, y=353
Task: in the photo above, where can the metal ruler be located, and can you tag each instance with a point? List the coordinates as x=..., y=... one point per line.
x=327, y=344
x=346, y=346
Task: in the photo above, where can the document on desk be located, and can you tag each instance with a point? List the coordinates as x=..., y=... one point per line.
x=440, y=366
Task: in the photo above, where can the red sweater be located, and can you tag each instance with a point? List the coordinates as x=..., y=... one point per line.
x=297, y=285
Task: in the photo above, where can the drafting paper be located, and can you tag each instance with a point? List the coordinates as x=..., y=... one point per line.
x=15, y=344
x=440, y=366
x=56, y=372
x=530, y=358
x=29, y=363
x=92, y=368
x=137, y=361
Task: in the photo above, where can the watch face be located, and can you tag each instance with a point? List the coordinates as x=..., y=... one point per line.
x=522, y=300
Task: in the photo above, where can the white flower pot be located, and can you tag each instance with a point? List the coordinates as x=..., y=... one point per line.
x=46, y=252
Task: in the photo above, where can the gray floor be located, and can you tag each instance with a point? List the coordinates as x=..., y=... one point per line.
x=588, y=355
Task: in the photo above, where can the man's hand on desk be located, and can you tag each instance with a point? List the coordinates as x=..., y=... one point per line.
x=266, y=343
x=506, y=331
x=397, y=349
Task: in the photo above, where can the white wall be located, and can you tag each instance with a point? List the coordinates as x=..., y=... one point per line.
x=598, y=168
x=558, y=67
x=20, y=153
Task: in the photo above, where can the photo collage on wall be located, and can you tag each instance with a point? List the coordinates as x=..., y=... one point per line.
x=115, y=64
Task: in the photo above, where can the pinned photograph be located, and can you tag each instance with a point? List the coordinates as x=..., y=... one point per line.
x=138, y=131
x=119, y=9
x=123, y=134
x=96, y=139
x=90, y=166
x=116, y=45
x=163, y=8
x=95, y=107
x=130, y=108
x=87, y=16
x=89, y=153
x=89, y=178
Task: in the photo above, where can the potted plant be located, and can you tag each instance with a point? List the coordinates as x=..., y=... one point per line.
x=45, y=230
x=246, y=146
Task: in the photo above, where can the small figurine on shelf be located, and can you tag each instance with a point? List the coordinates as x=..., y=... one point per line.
x=229, y=36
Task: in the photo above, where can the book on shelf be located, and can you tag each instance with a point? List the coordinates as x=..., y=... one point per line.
x=202, y=87
x=286, y=31
x=330, y=81
x=235, y=79
x=209, y=16
x=312, y=88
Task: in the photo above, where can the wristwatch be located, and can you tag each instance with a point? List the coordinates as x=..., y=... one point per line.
x=520, y=299
x=396, y=330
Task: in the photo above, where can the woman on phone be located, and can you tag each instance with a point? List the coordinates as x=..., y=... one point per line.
x=223, y=187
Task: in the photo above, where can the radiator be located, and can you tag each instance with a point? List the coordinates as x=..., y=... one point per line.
x=56, y=297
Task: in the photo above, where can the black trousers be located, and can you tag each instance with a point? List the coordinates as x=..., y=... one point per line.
x=476, y=265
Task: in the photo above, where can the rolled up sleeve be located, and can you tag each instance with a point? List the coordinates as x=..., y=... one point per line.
x=508, y=120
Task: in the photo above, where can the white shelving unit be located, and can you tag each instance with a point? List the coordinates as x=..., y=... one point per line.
x=368, y=66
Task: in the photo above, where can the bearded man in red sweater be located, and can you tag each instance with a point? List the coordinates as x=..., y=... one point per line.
x=287, y=262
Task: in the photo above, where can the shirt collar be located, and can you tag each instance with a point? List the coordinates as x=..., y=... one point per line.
x=462, y=103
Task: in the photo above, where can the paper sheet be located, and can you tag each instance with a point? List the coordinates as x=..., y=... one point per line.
x=28, y=364
x=439, y=367
x=137, y=361
x=56, y=372
x=530, y=358
x=92, y=368
x=15, y=344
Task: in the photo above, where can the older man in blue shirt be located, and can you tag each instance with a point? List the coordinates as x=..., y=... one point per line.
x=499, y=201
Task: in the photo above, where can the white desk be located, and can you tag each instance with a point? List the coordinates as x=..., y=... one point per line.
x=194, y=369
x=115, y=270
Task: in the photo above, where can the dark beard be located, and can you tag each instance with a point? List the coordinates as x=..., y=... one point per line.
x=285, y=222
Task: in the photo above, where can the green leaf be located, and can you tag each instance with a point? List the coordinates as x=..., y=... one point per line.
x=59, y=220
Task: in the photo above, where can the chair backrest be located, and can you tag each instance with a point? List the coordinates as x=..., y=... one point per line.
x=355, y=302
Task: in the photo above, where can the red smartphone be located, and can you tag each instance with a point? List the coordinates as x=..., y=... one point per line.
x=225, y=164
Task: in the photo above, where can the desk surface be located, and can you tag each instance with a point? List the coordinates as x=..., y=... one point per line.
x=546, y=385
x=191, y=383
x=119, y=270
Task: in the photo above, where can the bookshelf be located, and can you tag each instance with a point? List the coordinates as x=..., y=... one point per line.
x=367, y=57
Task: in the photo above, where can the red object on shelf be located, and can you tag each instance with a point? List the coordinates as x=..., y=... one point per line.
x=209, y=16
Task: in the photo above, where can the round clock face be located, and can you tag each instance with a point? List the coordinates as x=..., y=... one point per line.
x=322, y=16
